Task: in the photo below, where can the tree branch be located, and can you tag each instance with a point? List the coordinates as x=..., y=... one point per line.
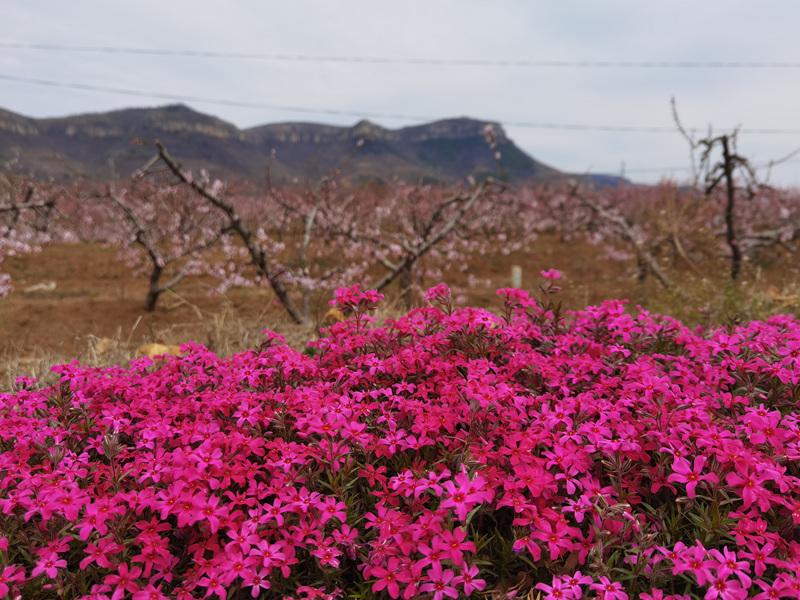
x=628, y=232
x=414, y=253
x=257, y=255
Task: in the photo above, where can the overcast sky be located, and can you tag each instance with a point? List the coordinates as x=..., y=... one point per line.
x=463, y=29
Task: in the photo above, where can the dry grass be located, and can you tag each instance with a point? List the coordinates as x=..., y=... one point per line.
x=224, y=331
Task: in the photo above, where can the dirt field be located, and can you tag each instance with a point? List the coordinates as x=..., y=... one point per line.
x=94, y=311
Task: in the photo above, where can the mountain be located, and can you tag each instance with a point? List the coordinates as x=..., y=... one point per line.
x=84, y=146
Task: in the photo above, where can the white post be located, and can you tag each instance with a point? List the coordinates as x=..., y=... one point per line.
x=516, y=276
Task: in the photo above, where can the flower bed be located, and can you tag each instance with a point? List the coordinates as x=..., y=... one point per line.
x=448, y=453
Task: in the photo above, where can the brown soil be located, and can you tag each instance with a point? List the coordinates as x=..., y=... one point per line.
x=97, y=296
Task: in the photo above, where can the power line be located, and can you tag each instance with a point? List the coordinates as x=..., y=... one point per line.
x=364, y=114
x=205, y=100
x=764, y=165
x=453, y=62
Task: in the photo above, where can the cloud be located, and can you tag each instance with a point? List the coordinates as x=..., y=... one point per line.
x=568, y=30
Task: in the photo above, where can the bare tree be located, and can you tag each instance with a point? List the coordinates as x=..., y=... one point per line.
x=235, y=224
x=176, y=244
x=719, y=172
x=14, y=208
x=626, y=231
x=310, y=216
x=724, y=171
x=446, y=217
x=25, y=222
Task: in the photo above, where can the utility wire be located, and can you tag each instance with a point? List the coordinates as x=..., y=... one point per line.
x=365, y=114
x=684, y=168
x=404, y=117
x=454, y=62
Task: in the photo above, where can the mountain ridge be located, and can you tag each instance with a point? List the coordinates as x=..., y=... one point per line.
x=81, y=146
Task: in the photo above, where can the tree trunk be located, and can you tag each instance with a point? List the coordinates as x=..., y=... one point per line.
x=154, y=290
x=730, y=216
x=405, y=281
x=641, y=270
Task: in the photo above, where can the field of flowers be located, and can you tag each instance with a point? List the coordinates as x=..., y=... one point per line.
x=451, y=452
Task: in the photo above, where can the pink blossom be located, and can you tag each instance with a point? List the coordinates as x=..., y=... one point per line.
x=439, y=583
x=691, y=475
x=48, y=564
x=552, y=274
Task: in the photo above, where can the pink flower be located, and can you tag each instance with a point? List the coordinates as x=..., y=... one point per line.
x=9, y=575
x=99, y=553
x=438, y=294
x=464, y=494
x=411, y=457
x=727, y=565
x=695, y=560
x=725, y=589
x=609, y=590
x=750, y=488
x=257, y=580
x=575, y=581
x=213, y=585
x=327, y=554
x=211, y=510
x=558, y=536
x=454, y=544
x=772, y=591
x=683, y=472
x=439, y=583
x=386, y=579
x=150, y=592
x=557, y=590
x=469, y=581
x=552, y=274
x=49, y=563
x=123, y=581
x=760, y=556
x=353, y=298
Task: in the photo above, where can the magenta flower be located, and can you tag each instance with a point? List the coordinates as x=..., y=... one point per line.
x=773, y=591
x=575, y=582
x=214, y=586
x=727, y=565
x=464, y=494
x=558, y=536
x=695, y=560
x=257, y=580
x=760, y=556
x=356, y=463
x=439, y=583
x=438, y=294
x=123, y=581
x=353, y=297
x=48, y=564
x=691, y=475
x=387, y=578
x=10, y=575
x=469, y=581
x=150, y=592
x=609, y=590
x=725, y=589
x=210, y=510
x=551, y=274
x=557, y=590
x=453, y=544
x=100, y=553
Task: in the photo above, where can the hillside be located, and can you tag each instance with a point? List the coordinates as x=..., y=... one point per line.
x=82, y=146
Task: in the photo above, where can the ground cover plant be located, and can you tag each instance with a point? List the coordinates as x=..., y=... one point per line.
x=451, y=452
